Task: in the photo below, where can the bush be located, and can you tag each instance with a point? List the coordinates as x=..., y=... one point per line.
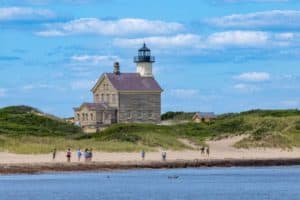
x=178, y=116
x=297, y=125
x=230, y=126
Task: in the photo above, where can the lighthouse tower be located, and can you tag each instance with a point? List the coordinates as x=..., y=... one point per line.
x=144, y=61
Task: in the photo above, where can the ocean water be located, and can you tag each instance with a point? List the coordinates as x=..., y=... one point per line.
x=207, y=183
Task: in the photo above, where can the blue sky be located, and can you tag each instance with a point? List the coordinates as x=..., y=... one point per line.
x=212, y=55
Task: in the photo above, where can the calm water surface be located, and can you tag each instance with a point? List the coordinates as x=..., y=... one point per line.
x=215, y=183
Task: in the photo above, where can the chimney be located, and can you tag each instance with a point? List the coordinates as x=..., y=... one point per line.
x=117, y=68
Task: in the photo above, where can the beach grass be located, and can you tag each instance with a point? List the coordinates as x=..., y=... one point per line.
x=29, y=131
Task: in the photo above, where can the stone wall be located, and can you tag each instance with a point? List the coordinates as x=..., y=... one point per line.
x=106, y=93
x=137, y=107
x=85, y=117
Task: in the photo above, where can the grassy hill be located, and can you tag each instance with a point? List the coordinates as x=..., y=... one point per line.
x=24, y=120
x=27, y=130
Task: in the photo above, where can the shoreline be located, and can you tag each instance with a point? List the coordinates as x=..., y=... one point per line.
x=37, y=168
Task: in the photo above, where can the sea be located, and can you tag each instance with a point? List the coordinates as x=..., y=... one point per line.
x=247, y=183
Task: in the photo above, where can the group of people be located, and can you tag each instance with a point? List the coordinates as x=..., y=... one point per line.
x=87, y=154
x=204, y=151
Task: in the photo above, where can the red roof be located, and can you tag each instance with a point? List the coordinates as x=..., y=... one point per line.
x=133, y=81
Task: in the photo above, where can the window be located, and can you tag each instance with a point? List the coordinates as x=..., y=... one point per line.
x=113, y=98
x=92, y=116
x=102, y=98
x=83, y=117
x=140, y=114
x=107, y=98
x=78, y=116
x=86, y=117
x=97, y=98
x=105, y=86
x=106, y=116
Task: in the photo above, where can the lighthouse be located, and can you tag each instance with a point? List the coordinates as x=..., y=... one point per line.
x=144, y=62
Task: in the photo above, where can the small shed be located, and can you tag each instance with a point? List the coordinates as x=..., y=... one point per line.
x=204, y=117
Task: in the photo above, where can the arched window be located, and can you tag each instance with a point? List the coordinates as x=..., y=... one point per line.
x=83, y=117
x=92, y=116
x=78, y=116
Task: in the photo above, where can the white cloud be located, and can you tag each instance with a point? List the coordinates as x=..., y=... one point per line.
x=82, y=84
x=184, y=93
x=267, y=19
x=253, y=76
x=2, y=92
x=239, y=38
x=215, y=40
x=36, y=86
x=246, y=87
x=95, y=59
x=124, y=26
x=181, y=40
x=246, y=1
x=24, y=13
x=43, y=2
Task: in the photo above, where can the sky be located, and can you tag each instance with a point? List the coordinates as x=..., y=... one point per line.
x=211, y=55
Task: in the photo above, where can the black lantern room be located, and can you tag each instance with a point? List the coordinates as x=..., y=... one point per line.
x=144, y=55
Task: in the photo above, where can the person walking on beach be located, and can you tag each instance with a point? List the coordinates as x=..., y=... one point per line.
x=164, y=156
x=54, y=154
x=79, y=154
x=69, y=155
x=202, y=150
x=207, y=151
x=143, y=154
x=86, y=155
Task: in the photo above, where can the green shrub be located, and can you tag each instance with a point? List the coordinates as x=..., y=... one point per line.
x=297, y=125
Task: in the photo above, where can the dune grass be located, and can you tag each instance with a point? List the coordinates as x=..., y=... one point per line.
x=27, y=130
x=37, y=145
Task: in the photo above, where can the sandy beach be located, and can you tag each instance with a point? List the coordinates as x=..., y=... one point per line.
x=221, y=149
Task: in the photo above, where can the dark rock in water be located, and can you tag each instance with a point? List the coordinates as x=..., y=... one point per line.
x=173, y=177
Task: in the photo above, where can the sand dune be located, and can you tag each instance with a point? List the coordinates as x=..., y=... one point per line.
x=221, y=149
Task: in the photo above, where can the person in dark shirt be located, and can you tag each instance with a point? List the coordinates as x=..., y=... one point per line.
x=69, y=155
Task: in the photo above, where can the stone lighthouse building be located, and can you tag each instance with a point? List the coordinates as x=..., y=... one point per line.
x=123, y=97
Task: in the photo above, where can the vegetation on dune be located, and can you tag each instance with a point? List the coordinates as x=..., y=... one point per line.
x=178, y=116
x=24, y=120
x=27, y=130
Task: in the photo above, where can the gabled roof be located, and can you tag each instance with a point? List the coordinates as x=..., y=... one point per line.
x=94, y=106
x=131, y=82
x=206, y=114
